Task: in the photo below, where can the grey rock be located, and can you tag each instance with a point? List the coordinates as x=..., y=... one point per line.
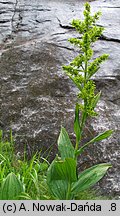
x=37, y=98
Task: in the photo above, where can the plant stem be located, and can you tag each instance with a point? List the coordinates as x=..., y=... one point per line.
x=84, y=114
x=77, y=144
x=86, y=65
x=68, y=191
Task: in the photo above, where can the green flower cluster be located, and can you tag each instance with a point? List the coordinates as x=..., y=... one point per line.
x=83, y=67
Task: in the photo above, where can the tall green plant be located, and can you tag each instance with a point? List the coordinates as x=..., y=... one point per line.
x=63, y=179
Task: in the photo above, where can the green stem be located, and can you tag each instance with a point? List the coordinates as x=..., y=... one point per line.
x=68, y=191
x=77, y=144
x=84, y=115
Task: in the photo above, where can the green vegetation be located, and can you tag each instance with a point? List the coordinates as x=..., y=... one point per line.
x=20, y=178
x=37, y=179
x=26, y=180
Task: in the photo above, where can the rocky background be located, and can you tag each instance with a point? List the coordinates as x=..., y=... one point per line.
x=36, y=97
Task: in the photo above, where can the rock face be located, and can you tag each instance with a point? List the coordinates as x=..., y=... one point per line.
x=37, y=98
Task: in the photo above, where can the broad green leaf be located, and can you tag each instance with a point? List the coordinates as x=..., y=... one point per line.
x=11, y=187
x=77, y=124
x=50, y=171
x=59, y=175
x=100, y=137
x=58, y=188
x=63, y=170
x=89, y=177
x=65, y=146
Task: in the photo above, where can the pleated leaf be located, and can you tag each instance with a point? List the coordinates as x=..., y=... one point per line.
x=59, y=175
x=90, y=177
x=11, y=187
x=58, y=189
x=65, y=146
x=63, y=170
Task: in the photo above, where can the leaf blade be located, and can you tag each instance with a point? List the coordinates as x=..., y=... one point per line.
x=89, y=177
x=100, y=137
x=58, y=188
x=11, y=187
x=65, y=146
x=63, y=170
